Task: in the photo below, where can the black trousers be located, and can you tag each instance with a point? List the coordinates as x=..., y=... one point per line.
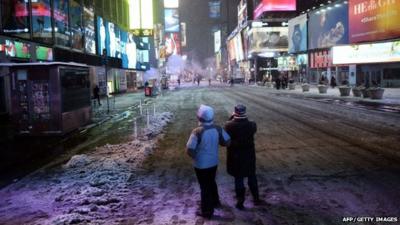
x=209, y=190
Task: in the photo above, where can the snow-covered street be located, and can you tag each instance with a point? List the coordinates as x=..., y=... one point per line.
x=317, y=163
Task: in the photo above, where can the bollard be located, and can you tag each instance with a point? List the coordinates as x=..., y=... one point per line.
x=141, y=107
x=135, y=133
x=148, y=118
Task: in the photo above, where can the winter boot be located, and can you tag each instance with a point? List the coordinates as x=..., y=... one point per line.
x=240, y=193
x=256, y=196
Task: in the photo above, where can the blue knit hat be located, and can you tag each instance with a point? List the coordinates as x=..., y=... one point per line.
x=205, y=114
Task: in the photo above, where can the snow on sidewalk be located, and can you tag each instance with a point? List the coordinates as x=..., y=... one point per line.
x=89, y=188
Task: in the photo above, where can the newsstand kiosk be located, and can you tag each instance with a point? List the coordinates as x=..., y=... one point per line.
x=49, y=98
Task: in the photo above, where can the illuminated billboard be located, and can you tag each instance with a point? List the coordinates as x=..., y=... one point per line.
x=75, y=11
x=173, y=44
x=367, y=53
x=61, y=23
x=90, y=35
x=141, y=17
x=171, y=18
x=328, y=28
x=44, y=53
x=217, y=41
x=135, y=52
x=274, y=5
x=15, y=18
x=214, y=9
x=238, y=47
x=298, y=34
x=101, y=34
x=41, y=21
x=267, y=39
x=171, y=3
x=113, y=41
x=17, y=49
x=373, y=20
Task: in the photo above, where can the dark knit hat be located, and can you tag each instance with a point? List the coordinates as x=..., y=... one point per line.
x=240, y=111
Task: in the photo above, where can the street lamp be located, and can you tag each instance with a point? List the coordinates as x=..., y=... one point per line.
x=105, y=62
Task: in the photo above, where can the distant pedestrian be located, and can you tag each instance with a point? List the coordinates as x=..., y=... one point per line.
x=278, y=83
x=202, y=147
x=209, y=81
x=333, y=82
x=241, y=157
x=198, y=81
x=179, y=82
x=96, y=94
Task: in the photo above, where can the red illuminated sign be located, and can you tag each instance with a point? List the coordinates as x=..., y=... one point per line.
x=321, y=59
x=274, y=5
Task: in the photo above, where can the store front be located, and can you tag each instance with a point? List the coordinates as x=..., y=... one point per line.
x=378, y=64
x=321, y=64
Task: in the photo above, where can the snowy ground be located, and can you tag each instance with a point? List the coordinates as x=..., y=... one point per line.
x=316, y=163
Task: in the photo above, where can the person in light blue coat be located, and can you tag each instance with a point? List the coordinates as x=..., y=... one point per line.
x=202, y=147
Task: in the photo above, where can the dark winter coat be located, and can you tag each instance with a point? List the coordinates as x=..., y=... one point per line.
x=241, y=158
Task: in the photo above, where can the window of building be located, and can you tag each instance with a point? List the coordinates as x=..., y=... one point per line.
x=75, y=89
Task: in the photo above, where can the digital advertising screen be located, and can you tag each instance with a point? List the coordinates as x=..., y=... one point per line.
x=274, y=5
x=298, y=34
x=44, y=53
x=143, y=53
x=101, y=34
x=238, y=47
x=17, y=49
x=41, y=21
x=90, y=35
x=129, y=52
x=264, y=39
x=231, y=49
x=113, y=40
x=135, y=52
x=171, y=20
x=15, y=17
x=76, y=24
x=328, y=27
x=217, y=41
x=61, y=23
x=373, y=20
x=214, y=9
x=173, y=44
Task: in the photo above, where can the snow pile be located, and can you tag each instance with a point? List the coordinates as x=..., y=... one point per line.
x=91, y=188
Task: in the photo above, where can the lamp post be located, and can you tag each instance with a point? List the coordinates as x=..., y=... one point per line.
x=105, y=62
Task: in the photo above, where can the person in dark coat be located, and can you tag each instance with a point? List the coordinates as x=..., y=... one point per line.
x=333, y=81
x=278, y=83
x=96, y=94
x=241, y=156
